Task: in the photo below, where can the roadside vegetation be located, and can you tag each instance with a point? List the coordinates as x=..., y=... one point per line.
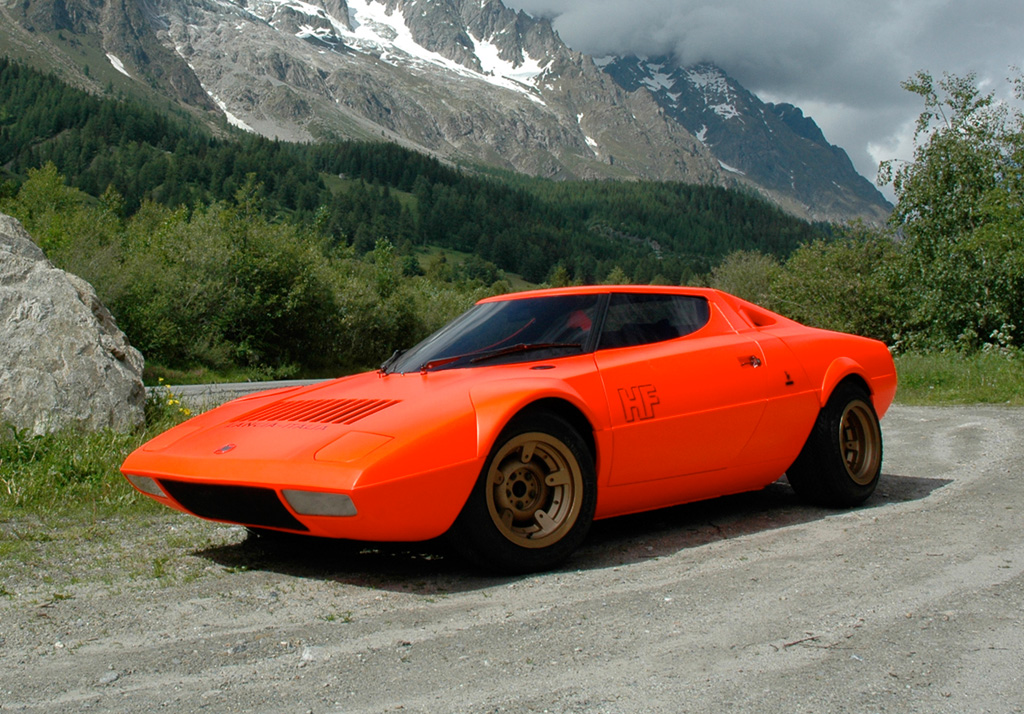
x=322, y=260
x=937, y=378
x=70, y=470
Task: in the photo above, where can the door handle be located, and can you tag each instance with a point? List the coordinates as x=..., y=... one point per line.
x=750, y=361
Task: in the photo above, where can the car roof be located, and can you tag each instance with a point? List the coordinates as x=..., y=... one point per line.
x=605, y=289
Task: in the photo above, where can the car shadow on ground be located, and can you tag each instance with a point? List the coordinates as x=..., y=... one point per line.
x=628, y=539
x=429, y=568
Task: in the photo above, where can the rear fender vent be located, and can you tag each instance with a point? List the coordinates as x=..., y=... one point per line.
x=319, y=411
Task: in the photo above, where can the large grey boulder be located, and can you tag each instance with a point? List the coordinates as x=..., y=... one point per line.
x=63, y=362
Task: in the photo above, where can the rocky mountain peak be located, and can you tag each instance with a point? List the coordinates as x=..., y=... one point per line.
x=794, y=118
x=774, y=148
x=437, y=26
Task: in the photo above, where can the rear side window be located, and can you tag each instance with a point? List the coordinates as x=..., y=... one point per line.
x=640, y=319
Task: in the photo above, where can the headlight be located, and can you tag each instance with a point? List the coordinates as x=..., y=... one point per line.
x=147, y=485
x=318, y=503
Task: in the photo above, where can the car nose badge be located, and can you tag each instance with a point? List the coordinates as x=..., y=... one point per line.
x=224, y=449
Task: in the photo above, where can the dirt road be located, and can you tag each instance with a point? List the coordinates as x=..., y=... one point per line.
x=914, y=603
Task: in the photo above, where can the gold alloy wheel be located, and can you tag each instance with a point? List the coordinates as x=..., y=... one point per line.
x=860, y=442
x=534, y=490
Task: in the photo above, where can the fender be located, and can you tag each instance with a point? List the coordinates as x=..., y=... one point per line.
x=498, y=401
x=840, y=369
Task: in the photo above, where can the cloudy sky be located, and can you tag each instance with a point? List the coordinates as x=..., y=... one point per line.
x=841, y=62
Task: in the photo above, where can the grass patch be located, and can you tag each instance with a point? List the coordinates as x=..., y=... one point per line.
x=337, y=184
x=74, y=470
x=428, y=255
x=53, y=472
x=937, y=379
x=156, y=374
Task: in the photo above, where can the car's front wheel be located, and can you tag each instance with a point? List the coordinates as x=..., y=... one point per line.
x=841, y=461
x=534, y=500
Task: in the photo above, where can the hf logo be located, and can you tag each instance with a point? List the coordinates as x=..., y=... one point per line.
x=638, y=402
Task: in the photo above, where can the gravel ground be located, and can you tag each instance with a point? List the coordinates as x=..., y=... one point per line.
x=913, y=603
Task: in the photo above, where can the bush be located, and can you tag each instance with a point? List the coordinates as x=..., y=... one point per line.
x=847, y=284
x=747, y=274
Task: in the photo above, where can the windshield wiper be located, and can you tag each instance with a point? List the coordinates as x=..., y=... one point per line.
x=435, y=363
x=525, y=347
x=383, y=369
x=475, y=357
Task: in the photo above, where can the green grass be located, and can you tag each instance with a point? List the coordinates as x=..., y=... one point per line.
x=157, y=374
x=428, y=254
x=63, y=500
x=343, y=185
x=949, y=378
x=48, y=473
x=72, y=470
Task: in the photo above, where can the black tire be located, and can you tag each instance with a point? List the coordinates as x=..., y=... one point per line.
x=841, y=461
x=534, y=501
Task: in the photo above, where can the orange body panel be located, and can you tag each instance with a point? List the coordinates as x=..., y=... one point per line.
x=721, y=410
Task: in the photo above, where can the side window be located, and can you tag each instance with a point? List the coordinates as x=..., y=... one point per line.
x=643, y=318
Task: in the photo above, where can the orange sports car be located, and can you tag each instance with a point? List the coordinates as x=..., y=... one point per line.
x=515, y=426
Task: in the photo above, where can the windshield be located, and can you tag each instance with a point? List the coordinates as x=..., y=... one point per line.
x=506, y=331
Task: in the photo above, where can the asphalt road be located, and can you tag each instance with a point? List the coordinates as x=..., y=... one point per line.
x=913, y=603
x=204, y=396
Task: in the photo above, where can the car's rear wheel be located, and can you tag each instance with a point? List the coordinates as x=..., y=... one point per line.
x=534, y=501
x=841, y=461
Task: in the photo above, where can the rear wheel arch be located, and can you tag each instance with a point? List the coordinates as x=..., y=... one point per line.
x=852, y=379
x=840, y=372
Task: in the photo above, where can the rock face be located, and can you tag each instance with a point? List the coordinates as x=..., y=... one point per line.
x=63, y=362
x=773, y=148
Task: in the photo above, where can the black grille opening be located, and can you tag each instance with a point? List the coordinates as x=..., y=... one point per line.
x=248, y=505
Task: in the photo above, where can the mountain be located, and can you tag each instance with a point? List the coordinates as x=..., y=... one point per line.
x=470, y=81
x=773, y=146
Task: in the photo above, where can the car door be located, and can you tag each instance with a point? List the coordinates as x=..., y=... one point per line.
x=685, y=390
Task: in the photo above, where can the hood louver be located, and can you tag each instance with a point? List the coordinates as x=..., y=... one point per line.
x=319, y=411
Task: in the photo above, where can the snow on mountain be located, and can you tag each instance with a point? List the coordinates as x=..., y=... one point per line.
x=526, y=73
x=118, y=64
x=714, y=89
x=373, y=28
x=232, y=119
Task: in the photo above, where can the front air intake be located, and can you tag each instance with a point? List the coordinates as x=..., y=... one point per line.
x=248, y=505
x=319, y=411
